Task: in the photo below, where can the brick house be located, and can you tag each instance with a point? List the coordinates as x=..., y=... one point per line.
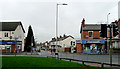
x=116, y=40
x=91, y=40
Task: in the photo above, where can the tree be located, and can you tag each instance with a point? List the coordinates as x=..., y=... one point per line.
x=29, y=40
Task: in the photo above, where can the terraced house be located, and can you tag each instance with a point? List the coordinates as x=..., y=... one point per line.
x=11, y=37
x=91, y=40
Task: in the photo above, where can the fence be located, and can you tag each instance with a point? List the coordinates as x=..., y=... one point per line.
x=83, y=62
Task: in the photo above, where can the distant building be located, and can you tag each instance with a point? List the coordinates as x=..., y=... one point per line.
x=9, y=32
x=64, y=43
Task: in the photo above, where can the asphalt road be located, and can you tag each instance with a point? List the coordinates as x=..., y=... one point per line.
x=86, y=57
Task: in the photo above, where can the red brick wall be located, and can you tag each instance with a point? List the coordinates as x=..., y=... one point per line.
x=67, y=49
x=12, y=48
x=8, y=50
x=96, y=34
x=85, y=35
x=79, y=48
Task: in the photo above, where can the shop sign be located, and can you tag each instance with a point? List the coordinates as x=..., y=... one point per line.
x=10, y=42
x=92, y=41
x=78, y=41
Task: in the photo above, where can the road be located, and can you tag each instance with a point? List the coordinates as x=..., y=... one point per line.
x=96, y=58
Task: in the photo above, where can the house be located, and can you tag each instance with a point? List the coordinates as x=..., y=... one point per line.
x=11, y=36
x=91, y=39
x=116, y=40
x=63, y=43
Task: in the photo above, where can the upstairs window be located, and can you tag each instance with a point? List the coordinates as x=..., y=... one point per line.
x=90, y=34
x=100, y=34
x=12, y=32
x=6, y=34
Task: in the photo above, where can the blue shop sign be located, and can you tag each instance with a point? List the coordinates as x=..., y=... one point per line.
x=83, y=41
x=92, y=41
x=10, y=42
x=78, y=41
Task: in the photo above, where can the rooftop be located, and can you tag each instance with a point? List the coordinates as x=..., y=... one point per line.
x=92, y=27
x=10, y=26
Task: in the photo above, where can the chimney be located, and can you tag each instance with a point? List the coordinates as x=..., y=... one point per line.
x=83, y=22
x=116, y=21
x=119, y=22
x=64, y=35
x=60, y=36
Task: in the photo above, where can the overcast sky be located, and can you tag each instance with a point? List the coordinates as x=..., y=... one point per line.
x=41, y=15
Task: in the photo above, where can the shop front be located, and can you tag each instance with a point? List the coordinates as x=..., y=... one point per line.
x=10, y=46
x=93, y=46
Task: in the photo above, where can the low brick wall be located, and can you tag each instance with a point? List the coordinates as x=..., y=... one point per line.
x=116, y=51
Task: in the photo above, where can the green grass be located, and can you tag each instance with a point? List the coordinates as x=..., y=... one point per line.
x=39, y=62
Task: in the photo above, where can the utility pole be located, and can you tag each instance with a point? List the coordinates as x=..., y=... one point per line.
x=108, y=51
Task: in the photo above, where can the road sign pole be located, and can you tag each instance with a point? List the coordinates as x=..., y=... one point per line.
x=110, y=26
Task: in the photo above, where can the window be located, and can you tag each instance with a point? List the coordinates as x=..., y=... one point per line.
x=90, y=34
x=12, y=32
x=100, y=34
x=6, y=34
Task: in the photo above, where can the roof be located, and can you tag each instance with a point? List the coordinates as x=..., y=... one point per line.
x=60, y=39
x=92, y=27
x=10, y=26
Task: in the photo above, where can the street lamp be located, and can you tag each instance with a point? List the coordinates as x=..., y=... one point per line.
x=107, y=34
x=57, y=25
x=110, y=48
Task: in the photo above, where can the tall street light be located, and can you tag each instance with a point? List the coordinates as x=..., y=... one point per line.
x=107, y=34
x=57, y=26
x=109, y=47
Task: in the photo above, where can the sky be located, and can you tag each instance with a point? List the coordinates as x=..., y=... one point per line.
x=41, y=15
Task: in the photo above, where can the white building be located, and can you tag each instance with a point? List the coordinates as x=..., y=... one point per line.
x=62, y=42
x=8, y=33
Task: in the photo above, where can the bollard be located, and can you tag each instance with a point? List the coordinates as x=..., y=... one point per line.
x=102, y=65
x=82, y=62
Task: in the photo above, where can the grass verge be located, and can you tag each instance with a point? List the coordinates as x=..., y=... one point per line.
x=25, y=62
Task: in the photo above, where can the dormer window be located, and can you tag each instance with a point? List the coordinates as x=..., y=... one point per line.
x=6, y=34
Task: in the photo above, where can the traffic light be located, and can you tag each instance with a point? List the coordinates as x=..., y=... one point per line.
x=103, y=30
x=115, y=29
x=73, y=43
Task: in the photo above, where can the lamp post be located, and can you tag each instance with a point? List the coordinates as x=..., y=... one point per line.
x=109, y=47
x=107, y=34
x=57, y=26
